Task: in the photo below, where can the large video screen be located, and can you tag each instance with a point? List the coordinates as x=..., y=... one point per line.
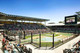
x=71, y=19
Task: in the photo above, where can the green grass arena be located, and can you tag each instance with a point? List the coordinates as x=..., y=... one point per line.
x=47, y=38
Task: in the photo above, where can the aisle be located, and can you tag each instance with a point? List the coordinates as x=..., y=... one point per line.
x=0, y=47
x=1, y=36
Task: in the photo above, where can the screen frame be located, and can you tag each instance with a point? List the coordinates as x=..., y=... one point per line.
x=71, y=22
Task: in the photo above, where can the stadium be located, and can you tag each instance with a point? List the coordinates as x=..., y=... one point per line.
x=39, y=26
x=29, y=35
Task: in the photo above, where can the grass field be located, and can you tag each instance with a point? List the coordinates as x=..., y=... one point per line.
x=46, y=38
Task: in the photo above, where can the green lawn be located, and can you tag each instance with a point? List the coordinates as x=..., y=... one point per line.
x=45, y=34
x=48, y=44
x=66, y=34
x=44, y=44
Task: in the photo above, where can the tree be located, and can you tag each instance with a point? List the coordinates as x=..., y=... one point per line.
x=78, y=14
x=51, y=23
x=61, y=22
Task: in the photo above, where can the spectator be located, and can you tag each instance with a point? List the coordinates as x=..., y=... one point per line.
x=25, y=49
x=8, y=47
x=3, y=41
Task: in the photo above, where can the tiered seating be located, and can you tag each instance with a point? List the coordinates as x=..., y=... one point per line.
x=67, y=29
x=9, y=47
x=28, y=26
x=1, y=27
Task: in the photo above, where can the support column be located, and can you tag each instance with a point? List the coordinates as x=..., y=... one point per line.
x=6, y=31
x=31, y=37
x=24, y=34
x=20, y=33
x=53, y=41
x=75, y=29
x=39, y=39
x=19, y=39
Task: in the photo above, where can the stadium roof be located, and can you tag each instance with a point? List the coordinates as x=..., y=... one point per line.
x=17, y=17
x=61, y=24
x=58, y=24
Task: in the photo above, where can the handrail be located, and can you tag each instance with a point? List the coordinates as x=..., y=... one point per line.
x=20, y=50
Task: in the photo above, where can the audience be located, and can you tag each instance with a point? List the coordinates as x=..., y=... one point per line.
x=70, y=29
x=9, y=47
x=25, y=49
x=3, y=41
x=27, y=26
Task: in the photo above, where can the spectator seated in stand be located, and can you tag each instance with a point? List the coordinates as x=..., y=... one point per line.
x=27, y=26
x=77, y=46
x=25, y=49
x=7, y=46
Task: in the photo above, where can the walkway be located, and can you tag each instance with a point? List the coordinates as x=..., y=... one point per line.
x=0, y=47
x=1, y=43
x=67, y=45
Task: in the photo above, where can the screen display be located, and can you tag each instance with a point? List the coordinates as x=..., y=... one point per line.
x=71, y=19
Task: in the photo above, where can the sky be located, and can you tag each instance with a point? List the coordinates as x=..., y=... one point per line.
x=54, y=10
